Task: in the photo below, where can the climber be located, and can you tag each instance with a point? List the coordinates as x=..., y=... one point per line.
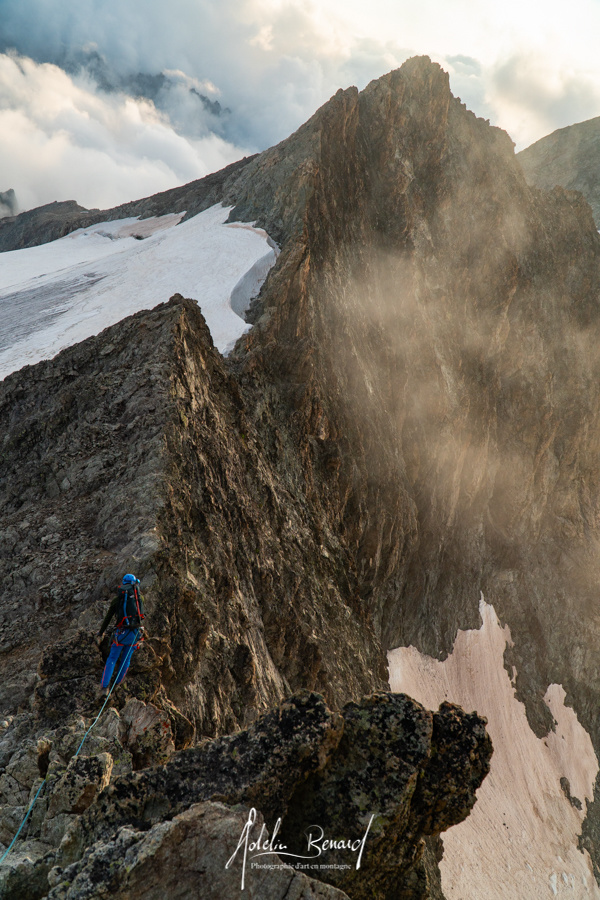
x=128, y=607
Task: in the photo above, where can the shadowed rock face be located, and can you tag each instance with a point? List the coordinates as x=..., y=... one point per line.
x=412, y=419
x=570, y=158
x=433, y=323
x=133, y=452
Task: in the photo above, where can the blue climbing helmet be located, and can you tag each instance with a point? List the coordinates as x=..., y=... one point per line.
x=129, y=610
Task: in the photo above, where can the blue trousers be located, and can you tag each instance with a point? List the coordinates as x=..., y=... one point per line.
x=125, y=642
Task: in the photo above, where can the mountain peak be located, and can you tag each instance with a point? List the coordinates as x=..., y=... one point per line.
x=8, y=203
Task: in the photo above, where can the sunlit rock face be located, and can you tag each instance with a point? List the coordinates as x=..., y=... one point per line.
x=413, y=417
x=569, y=158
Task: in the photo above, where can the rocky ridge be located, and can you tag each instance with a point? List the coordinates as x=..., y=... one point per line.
x=141, y=456
x=55, y=220
x=400, y=430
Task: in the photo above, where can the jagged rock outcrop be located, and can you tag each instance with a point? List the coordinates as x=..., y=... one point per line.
x=8, y=203
x=569, y=158
x=392, y=748
x=379, y=776
x=140, y=735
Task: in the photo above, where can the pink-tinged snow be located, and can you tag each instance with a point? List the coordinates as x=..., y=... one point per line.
x=520, y=840
x=62, y=292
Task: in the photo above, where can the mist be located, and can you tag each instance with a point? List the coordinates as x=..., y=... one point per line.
x=272, y=65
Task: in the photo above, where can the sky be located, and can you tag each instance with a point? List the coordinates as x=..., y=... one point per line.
x=103, y=101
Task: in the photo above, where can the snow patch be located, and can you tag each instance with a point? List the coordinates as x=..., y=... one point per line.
x=60, y=293
x=249, y=285
x=520, y=840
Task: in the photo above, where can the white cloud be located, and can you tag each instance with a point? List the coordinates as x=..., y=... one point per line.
x=60, y=138
x=531, y=95
x=273, y=61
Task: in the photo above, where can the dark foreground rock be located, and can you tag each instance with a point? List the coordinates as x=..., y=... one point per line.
x=379, y=777
x=183, y=859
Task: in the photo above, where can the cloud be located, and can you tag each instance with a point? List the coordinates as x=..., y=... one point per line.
x=465, y=64
x=61, y=138
x=271, y=62
x=532, y=95
x=189, y=87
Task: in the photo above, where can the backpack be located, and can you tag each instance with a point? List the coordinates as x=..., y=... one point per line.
x=129, y=607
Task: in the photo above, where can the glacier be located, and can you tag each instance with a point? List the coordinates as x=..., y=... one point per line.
x=60, y=293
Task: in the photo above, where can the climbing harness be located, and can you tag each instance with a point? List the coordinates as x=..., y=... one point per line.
x=32, y=804
x=123, y=638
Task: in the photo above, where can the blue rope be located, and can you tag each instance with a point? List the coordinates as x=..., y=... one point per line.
x=126, y=659
x=6, y=852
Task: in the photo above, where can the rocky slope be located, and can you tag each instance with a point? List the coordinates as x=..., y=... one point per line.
x=570, y=158
x=139, y=454
x=412, y=419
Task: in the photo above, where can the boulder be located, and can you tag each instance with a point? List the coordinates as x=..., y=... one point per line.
x=146, y=732
x=183, y=859
x=85, y=777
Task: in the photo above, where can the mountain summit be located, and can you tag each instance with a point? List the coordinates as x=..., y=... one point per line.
x=412, y=421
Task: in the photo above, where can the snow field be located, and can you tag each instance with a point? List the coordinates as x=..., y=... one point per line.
x=520, y=840
x=60, y=293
